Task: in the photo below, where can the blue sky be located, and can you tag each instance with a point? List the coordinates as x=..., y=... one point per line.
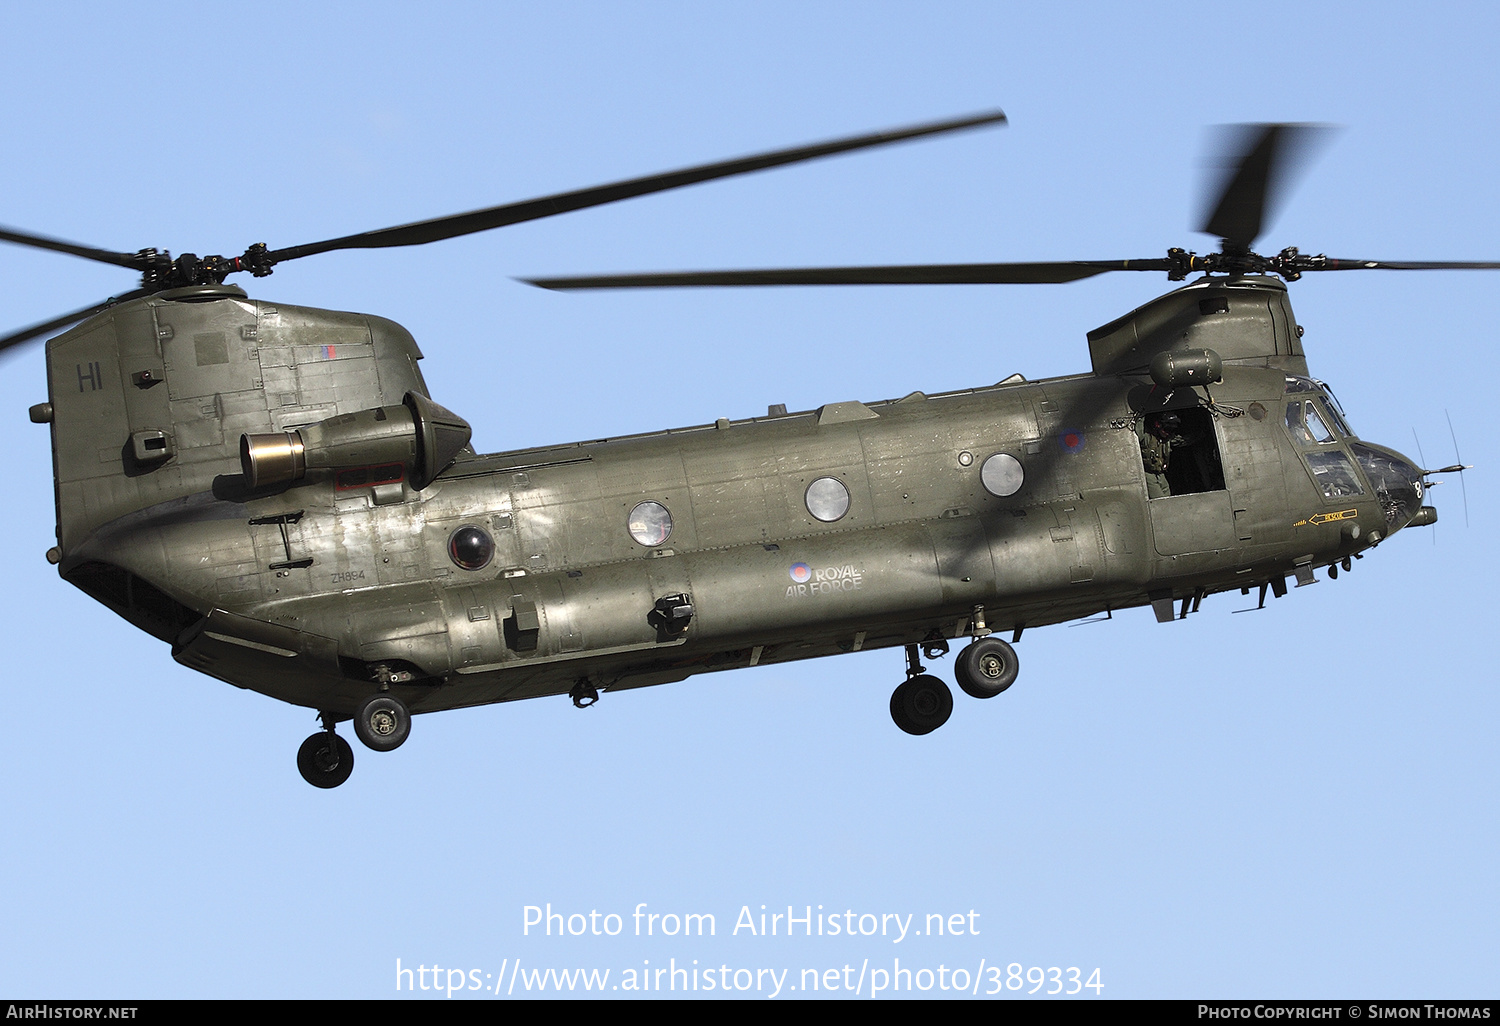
x=1296, y=802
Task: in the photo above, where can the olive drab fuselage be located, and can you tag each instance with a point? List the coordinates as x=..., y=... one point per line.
x=641, y=560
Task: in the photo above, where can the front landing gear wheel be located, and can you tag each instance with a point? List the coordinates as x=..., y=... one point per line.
x=382, y=723
x=325, y=759
x=921, y=705
x=987, y=667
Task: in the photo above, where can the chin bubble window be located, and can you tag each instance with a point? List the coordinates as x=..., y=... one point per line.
x=650, y=524
x=471, y=548
x=1002, y=475
x=827, y=499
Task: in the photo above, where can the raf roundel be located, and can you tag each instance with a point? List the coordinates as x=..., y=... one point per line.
x=801, y=572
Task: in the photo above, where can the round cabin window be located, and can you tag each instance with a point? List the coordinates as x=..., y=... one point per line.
x=827, y=499
x=471, y=548
x=1002, y=474
x=650, y=524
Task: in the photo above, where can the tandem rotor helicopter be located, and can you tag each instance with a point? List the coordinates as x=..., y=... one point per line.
x=270, y=489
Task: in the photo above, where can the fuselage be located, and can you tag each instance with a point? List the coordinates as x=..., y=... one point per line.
x=626, y=562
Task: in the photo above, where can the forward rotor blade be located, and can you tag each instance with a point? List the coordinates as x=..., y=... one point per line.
x=104, y=256
x=1260, y=160
x=1463, y=487
x=27, y=334
x=528, y=210
x=921, y=274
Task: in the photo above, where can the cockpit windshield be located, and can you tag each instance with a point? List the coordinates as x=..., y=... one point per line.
x=1304, y=423
x=1336, y=410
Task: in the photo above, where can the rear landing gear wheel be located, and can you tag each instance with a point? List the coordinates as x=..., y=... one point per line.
x=986, y=668
x=921, y=705
x=382, y=723
x=325, y=759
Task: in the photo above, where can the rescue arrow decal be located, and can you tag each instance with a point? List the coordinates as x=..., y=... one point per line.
x=1328, y=518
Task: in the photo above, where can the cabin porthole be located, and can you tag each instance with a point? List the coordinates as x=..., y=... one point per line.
x=1002, y=475
x=471, y=548
x=650, y=524
x=827, y=499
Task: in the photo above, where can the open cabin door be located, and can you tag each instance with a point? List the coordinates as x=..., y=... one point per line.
x=1182, y=454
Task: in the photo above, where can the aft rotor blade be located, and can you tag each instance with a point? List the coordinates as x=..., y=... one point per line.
x=529, y=210
x=27, y=334
x=104, y=256
x=919, y=274
x=1260, y=159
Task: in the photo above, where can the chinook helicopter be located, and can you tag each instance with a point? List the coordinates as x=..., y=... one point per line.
x=271, y=490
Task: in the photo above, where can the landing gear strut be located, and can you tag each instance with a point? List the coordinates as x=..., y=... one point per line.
x=325, y=759
x=923, y=703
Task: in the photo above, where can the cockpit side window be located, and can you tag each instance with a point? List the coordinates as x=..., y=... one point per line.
x=1295, y=425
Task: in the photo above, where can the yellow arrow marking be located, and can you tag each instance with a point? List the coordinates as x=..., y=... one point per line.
x=1328, y=518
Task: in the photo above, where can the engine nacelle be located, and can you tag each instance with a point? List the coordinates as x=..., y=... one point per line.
x=418, y=434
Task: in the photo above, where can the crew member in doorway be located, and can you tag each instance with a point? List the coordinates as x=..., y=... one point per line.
x=1160, y=433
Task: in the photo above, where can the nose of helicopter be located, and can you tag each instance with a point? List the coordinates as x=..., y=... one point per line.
x=1398, y=484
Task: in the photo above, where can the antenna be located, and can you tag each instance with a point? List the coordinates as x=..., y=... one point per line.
x=1459, y=465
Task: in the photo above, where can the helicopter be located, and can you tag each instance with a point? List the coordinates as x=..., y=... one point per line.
x=272, y=491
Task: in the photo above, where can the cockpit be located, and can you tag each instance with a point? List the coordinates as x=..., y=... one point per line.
x=1317, y=425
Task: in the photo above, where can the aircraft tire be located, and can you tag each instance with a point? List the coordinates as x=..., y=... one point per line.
x=987, y=667
x=382, y=723
x=921, y=705
x=325, y=759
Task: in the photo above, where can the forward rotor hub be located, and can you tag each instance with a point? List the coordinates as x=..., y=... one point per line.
x=1290, y=263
